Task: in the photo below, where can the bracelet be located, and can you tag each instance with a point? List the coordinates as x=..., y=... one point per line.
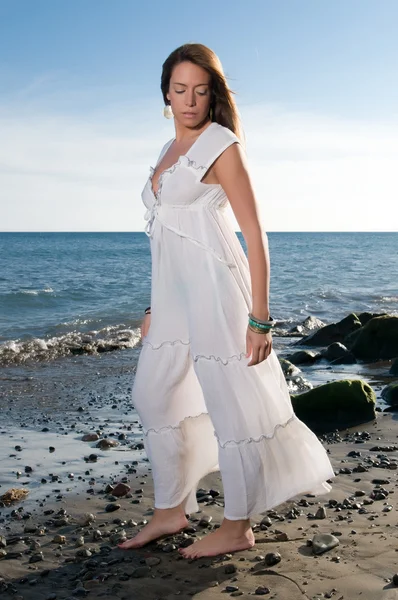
x=148, y=310
x=270, y=321
x=258, y=330
x=259, y=323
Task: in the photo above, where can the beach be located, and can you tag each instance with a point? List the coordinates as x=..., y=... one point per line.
x=69, y=432
x=60, y=541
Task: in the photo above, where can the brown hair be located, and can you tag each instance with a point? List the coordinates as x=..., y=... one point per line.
x=222, y=102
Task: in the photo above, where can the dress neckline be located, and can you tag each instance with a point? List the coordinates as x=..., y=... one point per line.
x=172, y=167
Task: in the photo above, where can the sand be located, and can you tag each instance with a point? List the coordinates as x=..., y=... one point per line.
x=360, y=567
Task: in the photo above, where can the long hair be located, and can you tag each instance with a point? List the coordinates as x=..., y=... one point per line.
x=224, y=109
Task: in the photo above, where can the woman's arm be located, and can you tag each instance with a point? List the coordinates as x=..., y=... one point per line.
x=232, y=173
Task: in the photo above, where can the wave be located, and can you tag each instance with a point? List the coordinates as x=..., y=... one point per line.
x=107, y=339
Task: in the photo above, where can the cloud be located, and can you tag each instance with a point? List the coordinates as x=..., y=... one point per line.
x=69, y=170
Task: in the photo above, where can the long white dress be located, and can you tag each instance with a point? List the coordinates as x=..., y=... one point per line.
x=202, y=408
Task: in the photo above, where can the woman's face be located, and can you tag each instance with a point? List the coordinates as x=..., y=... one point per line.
x=189, y=93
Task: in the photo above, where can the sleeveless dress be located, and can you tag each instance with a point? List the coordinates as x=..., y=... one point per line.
x=201, y=407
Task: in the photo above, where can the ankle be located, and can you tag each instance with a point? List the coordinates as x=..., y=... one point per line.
x=238, y=527
x=168, y=513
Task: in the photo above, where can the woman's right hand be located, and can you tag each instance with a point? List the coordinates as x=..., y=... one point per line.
x=146, y=321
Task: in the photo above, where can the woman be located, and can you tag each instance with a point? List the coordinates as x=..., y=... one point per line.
x=209, y=388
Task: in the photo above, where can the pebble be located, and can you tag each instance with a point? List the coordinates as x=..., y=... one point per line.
x=121, y=489
x=272, y=558
x=36, y=557
x=112, y=507
x=229, y=569
x=87, y=519
x=106, y=444
x=262, y=591
x=322, y=542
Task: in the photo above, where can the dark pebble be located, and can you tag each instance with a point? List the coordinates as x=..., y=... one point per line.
x=229, y=569
x=262, y=591
x=112, y=507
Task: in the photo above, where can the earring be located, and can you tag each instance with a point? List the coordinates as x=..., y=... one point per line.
x=167, y=112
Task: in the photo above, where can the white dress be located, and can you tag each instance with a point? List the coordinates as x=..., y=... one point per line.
x=202, y=408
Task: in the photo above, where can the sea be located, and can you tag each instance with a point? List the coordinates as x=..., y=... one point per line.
x=72, y=302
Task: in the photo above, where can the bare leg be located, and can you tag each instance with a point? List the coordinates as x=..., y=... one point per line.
x=165, y=521
x=231, y=536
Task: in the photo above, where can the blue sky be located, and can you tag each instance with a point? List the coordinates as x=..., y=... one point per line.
x=81, y=108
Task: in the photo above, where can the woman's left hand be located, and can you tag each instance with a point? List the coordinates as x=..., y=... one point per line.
x=259, y=345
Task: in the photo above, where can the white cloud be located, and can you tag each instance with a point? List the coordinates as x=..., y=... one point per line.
x=85, y=172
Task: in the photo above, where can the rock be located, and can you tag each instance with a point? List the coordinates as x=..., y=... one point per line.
x=265, y=523
x=59, y=539
x=304, y=357
x=3, y=553
x=90, y=437
x=334, y=332
x=262, y=591
x=14, y=495
x=36, y=557
x=390, y=393
x=272, y=558
x=121, y=489
x=322, y=542
x=205, y=520
x=336, y=405
x=230, y=569
x=3, y=541
x=87, y=519
x=310, y=324
x=79, y=542
x=378, y=339
x=112, y=507
x=231, y=588
x=106, y=444
x=394, y=368
x=321, y=513
x=83, y=553
x=337, y=353
x=118, y=537
x=288, y=368
x=169, y=548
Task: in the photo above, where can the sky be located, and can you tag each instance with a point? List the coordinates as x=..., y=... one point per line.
x=81, y=111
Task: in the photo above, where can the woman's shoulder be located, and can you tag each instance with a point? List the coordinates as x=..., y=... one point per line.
x=224, y=133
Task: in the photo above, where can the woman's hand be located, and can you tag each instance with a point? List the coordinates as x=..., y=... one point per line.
x=259, y=344
x=146, y=321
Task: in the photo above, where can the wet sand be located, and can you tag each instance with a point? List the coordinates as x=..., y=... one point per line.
x=360, y=512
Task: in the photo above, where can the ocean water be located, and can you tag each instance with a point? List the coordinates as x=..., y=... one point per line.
x=77, y=293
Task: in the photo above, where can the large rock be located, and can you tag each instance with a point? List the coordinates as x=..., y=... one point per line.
x=334, y=332
x=336, y=405
x=394, y=367
x=378, y=339
x=390, y=394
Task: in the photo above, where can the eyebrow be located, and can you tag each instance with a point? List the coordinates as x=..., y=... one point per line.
x=185, y=85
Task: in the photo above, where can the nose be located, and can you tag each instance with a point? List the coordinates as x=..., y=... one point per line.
x=190, y=98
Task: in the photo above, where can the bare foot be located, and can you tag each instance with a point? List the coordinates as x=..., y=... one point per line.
x=159, y=526
x=220, y=541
